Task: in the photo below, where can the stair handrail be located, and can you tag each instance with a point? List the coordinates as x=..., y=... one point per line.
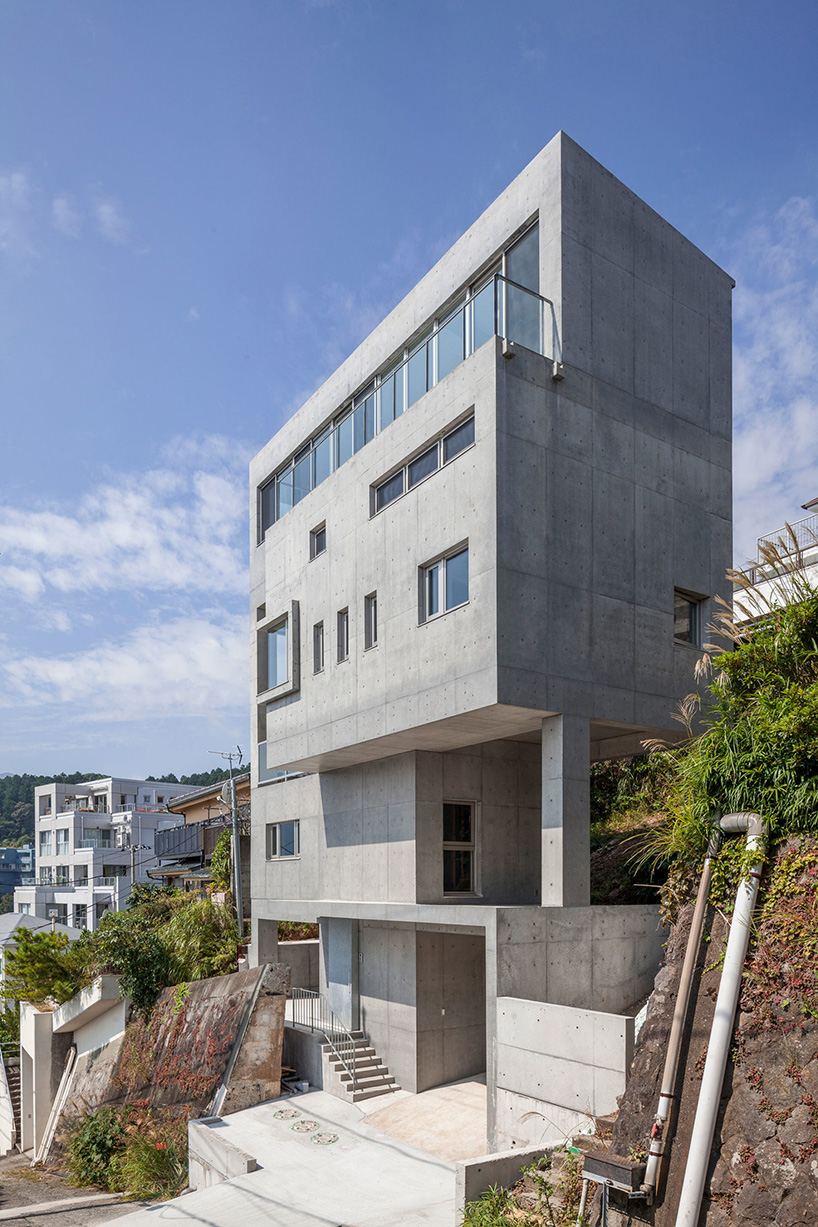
x=312, y=1010
x=5, y=1090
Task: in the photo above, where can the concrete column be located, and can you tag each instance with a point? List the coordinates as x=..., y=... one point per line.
x=566, y=811
x=263, y=942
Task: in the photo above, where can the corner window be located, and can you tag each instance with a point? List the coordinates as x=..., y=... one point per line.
x=370, y=620
x=283, y=840
x=444, y=584
x=276, y=671
x=459, y=848
x=318, y=540
x=318, y=648
x=687, y=618
x=343, y=635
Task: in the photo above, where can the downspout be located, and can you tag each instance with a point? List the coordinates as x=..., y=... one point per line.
x=721, y=1034
x=658, y=1139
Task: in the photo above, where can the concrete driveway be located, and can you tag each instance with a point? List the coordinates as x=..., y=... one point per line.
x=363, y=1178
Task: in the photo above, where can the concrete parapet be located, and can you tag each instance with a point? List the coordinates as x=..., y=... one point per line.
x=211, y=1158
x=476, y=1176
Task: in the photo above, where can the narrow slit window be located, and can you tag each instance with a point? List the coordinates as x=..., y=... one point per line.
x=370, y=620
x=343, y=635
x=318, y=648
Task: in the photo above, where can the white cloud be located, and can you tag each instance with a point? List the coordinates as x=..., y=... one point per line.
x=775, y=371
x=16, y=244
x=193, y=314
x=176, y=528
x=181, y=668
x=112, y=223
x=66, y=217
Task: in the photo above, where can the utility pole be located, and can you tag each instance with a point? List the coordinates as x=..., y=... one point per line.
x=234, y=813
x=134, y=849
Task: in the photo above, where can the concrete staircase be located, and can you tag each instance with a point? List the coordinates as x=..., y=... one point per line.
x=12, y=1065
x=371, y=1075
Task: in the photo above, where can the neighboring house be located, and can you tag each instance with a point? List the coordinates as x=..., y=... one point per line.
x=88, y=837
x=782, y=556
x=12, y=921
x=15, y=864
x=185, y=851
x=483, y=552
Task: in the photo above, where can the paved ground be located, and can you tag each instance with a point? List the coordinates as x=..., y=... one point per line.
x=364, y=1178
x=448, y=1121
x=21, y=1186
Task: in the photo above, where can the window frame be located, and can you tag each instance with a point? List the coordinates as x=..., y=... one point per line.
x=342, y=640
x=448, y=845
x=370, y=621
x=440, y=564
x=318, y=648
x=292, y=682
x=271, y=827
x=695, y=604
x=315, y=534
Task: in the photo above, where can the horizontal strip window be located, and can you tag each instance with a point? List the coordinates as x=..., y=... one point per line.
x=506, y=302
x=423, y=466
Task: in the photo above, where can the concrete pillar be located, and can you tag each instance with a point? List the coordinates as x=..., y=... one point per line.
x=263, y=946
x=566, y=811
x=36, y=1060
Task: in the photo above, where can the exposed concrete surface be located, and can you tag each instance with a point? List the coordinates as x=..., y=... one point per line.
x=364, y=1178
x=448, y=1121
x=475, y=1176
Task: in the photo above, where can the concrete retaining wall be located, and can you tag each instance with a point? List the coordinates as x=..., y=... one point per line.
x=302, y=960
x=475, y=1176
x=211, y=1158
x=557, y=1068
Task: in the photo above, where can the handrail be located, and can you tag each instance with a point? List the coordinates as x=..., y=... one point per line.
x=311, y=1009
x=5, y=1090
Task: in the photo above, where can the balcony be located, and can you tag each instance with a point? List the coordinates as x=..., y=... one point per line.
x=193, y=839
x=96, y=843
x=790, y=548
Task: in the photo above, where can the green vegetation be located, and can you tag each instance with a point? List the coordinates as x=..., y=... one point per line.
x=165, y=938
x=296, y=930
x=221, y=862
x=547, y=1195
x=199, y=779
x=124, y=1149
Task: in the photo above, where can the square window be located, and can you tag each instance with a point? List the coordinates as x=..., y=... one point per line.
x=459, y=848
x=444, y=584
x=370, y=620
x=318, y=647
x=687, y=618
x=343, y=635
x=283, y=840
x=318, y=540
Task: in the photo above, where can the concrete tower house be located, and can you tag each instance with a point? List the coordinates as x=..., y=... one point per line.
x=483, y=555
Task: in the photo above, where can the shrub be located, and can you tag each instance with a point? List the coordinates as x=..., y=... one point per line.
x=95, y=1149
x=221, y=862
x=122, y=1149
x=155, y=1162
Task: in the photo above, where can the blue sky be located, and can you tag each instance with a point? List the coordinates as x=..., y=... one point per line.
x=205, y=206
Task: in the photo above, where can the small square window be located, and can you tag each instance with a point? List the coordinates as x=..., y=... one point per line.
x=687, y=618
x=318, y=540
x=318, y=648
x=343, y=635
x=370, y=620
x=283, y=840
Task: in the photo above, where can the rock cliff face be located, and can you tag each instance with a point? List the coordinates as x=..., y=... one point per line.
x=764, y=1160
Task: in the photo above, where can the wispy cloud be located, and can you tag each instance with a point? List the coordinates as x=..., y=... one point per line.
x=179, y=527
x=184, y=667
x=66, y=217
x=775, y=371
x=112, y=223
x=17, y=245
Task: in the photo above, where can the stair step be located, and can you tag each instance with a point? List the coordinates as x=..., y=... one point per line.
x=358, y=1096
x=360, y=1062
x=375, y=1079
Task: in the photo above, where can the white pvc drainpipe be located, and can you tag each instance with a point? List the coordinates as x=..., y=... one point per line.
x=658, y=1137
x=721, y=1034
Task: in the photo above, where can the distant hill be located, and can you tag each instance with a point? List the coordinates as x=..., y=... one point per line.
x=17, y=796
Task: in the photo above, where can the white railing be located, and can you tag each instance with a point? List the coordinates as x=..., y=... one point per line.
x=313, y=1011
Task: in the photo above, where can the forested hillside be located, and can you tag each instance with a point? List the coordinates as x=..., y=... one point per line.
x=17, y=797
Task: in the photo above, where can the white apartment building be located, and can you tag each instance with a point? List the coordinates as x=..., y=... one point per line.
x=87, y=838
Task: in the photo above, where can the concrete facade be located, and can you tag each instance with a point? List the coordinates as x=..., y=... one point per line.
x=443, y=814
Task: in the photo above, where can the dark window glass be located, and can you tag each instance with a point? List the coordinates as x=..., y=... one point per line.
x=359, y=427
x=400, y=390
x=318, y=647
x=318, y=541
x=457, y=822
x=483, y=323
x=457, y=870
x=458, y=440
x=369, y=427
x=345, y=439
x=457, y=579
x=523, y=261
x=387, y=398
x=422, y=467
x=343, y=634
x=268, y=506
x=417, y=376
x=288, y=839
x=389, y=491
x=371, y=620
x=685, y=619
x=302, y=479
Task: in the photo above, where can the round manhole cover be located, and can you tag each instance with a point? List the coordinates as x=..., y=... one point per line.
x=305, y=1126
x=286, y=1114
x=325, y=1139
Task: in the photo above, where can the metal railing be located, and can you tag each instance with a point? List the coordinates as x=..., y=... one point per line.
x=312, y=1010
x=802, y=535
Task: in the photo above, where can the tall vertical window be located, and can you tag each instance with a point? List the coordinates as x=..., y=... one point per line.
x=370, y=620
x=444, y=584
x=318, y=647
x=277, y=670
x=687, y=618
x=318, y=540
x=62, y=843
x=343, y=634
x=45, y=843
x=458, y=848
